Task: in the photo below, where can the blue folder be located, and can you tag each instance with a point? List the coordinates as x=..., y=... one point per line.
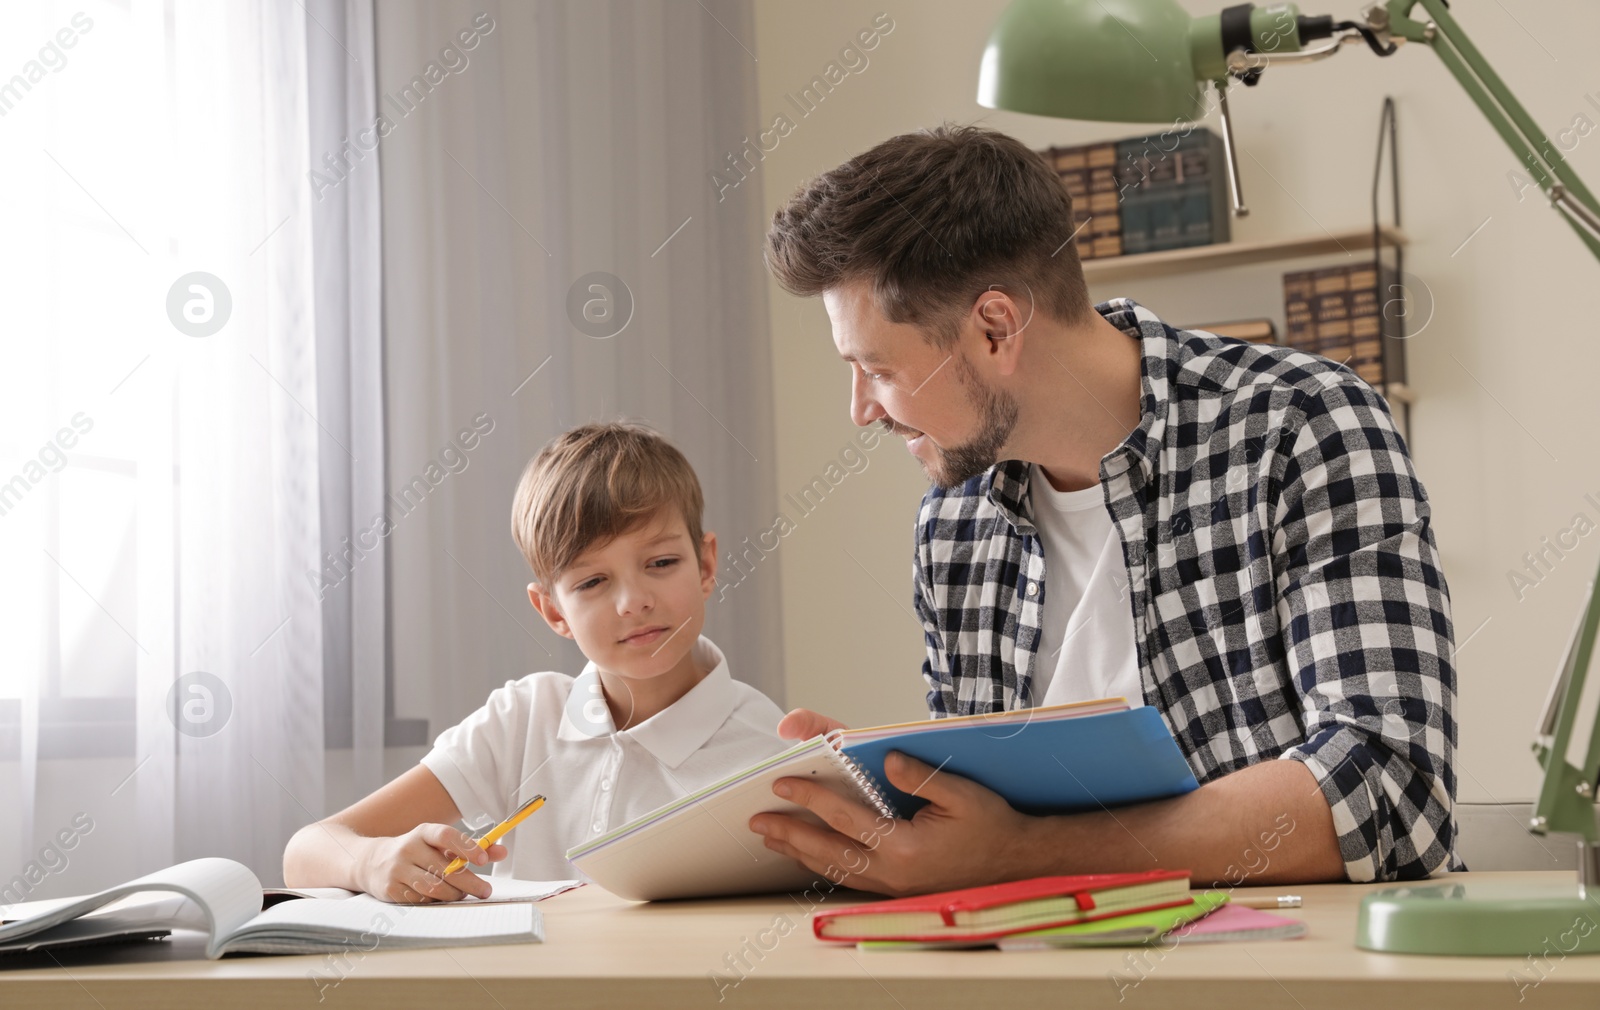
x=1045, y=767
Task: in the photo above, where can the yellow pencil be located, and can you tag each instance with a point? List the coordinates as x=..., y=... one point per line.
x=496, y=832
x=1283, y=901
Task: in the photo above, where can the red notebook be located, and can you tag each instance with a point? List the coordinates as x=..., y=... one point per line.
x=977, y=913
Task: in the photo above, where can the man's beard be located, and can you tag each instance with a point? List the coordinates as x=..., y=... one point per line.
x=998, y=411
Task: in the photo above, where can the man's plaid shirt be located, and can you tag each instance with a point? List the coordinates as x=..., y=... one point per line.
x=1287, y=596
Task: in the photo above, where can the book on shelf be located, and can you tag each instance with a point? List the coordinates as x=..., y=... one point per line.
x=1330, y=308
x=1351, y=315
x=1377, y=310
x=1205, y=208
x=1072, y=166
x=1299, y=322
x=1088, y=173
x=1145, y=194
x=1173, y=191
x=1105, y=205
x=1082, y=756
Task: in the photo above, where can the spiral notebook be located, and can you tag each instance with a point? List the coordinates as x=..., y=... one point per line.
x=1085, y=755
x=702, y=845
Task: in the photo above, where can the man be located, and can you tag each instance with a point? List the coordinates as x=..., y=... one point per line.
x=1231, y=533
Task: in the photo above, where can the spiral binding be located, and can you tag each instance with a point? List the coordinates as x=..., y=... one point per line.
x=865, y=781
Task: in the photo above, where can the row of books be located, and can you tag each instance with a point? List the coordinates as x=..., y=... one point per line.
x=1145, y=194
x=1090, y=177
x=1340, y=314
x=1348, y=314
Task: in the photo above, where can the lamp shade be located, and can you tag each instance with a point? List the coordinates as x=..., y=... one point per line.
x=1121, y=60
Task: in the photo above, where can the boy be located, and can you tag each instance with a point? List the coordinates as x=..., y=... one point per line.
x=608, y=516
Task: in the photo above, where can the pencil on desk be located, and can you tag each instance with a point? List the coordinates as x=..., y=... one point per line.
x=494, y=834
x=1283, y=901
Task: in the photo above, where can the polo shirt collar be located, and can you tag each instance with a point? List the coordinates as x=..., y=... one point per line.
x=670, y=735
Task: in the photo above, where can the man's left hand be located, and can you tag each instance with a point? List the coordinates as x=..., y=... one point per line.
x=965, y=836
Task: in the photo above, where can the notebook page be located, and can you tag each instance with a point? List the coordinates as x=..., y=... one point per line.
x=797, y=760
x=705, y=847
x=505, y=889
x=1235, y=922
x=1001, y=721
x=366, y=923
x=39, y=906
x=225, y=893
x=276, y=894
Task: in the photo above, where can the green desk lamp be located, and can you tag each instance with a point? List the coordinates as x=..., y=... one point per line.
x=1149, y=61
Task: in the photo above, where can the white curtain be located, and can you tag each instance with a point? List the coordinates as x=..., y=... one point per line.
x=541, y=157
x=222, y=541
x=214, y=325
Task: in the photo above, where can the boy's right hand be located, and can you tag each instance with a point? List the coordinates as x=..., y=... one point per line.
x=405, y=869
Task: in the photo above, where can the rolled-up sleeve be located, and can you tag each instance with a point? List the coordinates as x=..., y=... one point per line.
x=1364, y=612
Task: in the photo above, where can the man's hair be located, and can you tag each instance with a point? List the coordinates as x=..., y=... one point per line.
x=594, y=483
x=931, y=220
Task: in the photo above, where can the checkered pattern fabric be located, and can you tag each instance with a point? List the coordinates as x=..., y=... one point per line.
x=1286, y=590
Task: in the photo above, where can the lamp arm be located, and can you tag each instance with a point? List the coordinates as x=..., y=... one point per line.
x=1566, y=796
x=1566, y=800
x=1240, y=61
x=1235, y=188
x=1444, y=35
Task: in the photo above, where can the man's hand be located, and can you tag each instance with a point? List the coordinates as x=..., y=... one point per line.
x=1267, y=823
x=965, y=836
x=803, y=724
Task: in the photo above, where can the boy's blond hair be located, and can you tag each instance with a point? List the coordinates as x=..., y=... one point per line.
x=594, y=483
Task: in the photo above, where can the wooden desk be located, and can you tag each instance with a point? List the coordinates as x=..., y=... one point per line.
x=601, y=951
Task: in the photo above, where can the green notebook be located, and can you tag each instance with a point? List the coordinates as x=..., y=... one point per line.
x=1133, y=930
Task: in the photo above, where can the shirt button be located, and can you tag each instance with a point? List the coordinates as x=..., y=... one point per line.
x=605, y=784
x=598, y=825
x=1033, y=589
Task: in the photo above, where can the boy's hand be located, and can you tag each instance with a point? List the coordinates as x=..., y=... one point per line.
x=803, y=724
x=406, y=869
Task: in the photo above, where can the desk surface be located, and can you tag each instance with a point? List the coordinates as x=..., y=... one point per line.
x=602, y=951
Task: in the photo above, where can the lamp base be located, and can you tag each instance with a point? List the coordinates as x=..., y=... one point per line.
x=1549, y=921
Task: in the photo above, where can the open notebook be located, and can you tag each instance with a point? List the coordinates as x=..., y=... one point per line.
x=224, y=900
x=1082, y=756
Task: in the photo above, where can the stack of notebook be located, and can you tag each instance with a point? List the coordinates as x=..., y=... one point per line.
x=1044, y=913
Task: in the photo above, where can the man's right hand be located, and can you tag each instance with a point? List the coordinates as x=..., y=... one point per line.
x=803, y=724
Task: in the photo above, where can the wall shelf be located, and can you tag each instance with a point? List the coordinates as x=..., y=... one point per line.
x=1171, y=262
x=1356, y=242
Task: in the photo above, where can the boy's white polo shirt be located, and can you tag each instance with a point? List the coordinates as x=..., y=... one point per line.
x=553, y=734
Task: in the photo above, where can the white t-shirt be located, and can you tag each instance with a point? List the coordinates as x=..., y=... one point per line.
x=552, y=734
x=1086, y=642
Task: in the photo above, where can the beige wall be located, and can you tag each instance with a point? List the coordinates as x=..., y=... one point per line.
x=1501, y=433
